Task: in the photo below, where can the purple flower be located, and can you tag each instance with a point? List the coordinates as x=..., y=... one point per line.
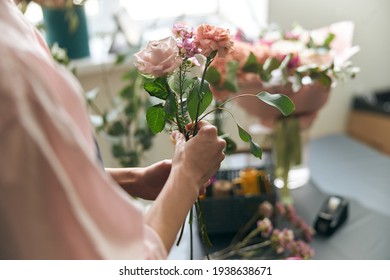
x=188, y=47
x=183, y=31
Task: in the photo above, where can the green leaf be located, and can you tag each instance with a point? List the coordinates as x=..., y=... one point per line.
x=296, y=82
x=116, y=129
x=283, y=65
x=251, y=65
x=256, y=150
x=212, y=55
x=213, y=76
x=126, y=92
x=158, y=88
x=131, y=75
x=230, y=85
x=329, y=40
x=271, y=64
x=174, y=83
x=280, y=101
x=307, y=68
x=324, y=79
x=117, y=150
x=231, y=146
x=204, y=99
x=246, y=137
x=155, y=117
x=120, y=58
x=230, y=82
x=170, y=106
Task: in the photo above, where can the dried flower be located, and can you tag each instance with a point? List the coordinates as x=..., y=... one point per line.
x=265, y=226
x=279, y=236
x=266, y=209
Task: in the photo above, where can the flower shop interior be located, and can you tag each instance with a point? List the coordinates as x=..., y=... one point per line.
x=335, y=182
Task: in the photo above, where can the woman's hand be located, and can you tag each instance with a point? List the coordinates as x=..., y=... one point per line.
x=199, y=158
x=144, y=182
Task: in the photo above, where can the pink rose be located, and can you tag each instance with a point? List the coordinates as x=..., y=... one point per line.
x=159, y=58
x=211, y=38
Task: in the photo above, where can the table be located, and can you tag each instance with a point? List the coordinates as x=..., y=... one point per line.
x=340, y=165
x=344, y=166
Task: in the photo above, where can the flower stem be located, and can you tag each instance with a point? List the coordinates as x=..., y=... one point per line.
x=202, y=227
x=208, y=62
x=190, y=221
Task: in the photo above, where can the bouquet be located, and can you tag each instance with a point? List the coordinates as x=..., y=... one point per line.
x=294, y=58
x=176, y=69
x=303, y=64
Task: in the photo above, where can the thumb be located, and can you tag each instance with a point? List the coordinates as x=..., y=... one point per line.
x=177, y=137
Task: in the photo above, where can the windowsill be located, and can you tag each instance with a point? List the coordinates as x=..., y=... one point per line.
x=100, y=60
x=95, y=65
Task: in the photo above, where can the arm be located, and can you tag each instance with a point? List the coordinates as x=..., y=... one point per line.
x=194, y=162
x=183, y=179
x=144, y=182
x=55, y=200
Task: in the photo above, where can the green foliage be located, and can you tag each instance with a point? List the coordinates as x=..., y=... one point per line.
x=213, y=76
x=123, y=123
x=155, y=116
x=158, y=88
x=187, y=98
x=280, y=101
x=230, y=82
x=202, y=99
x=246, y=137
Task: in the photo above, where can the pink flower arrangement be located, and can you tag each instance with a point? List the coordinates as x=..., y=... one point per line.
x=297, y=57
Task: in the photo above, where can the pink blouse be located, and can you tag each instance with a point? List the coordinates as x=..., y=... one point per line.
x=56, y=202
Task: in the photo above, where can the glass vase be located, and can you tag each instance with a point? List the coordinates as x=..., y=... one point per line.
x=290, y=153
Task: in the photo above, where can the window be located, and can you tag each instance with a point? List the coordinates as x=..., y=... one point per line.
x=151, y=19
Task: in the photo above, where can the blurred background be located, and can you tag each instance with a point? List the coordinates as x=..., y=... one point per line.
x=117, y=27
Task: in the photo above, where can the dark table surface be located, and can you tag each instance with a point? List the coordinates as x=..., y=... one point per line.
x=340, y=165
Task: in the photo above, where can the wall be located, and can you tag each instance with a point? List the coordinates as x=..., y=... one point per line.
x=372, y=19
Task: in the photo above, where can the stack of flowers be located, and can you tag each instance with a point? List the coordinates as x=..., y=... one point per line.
x=295, y=58
x=278, y=233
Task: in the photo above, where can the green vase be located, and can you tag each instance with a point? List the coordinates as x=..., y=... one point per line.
x=67, y=27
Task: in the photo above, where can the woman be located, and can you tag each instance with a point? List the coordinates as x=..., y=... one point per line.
x=56, y=202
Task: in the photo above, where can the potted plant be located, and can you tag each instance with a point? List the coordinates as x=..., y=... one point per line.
x=64, y=22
